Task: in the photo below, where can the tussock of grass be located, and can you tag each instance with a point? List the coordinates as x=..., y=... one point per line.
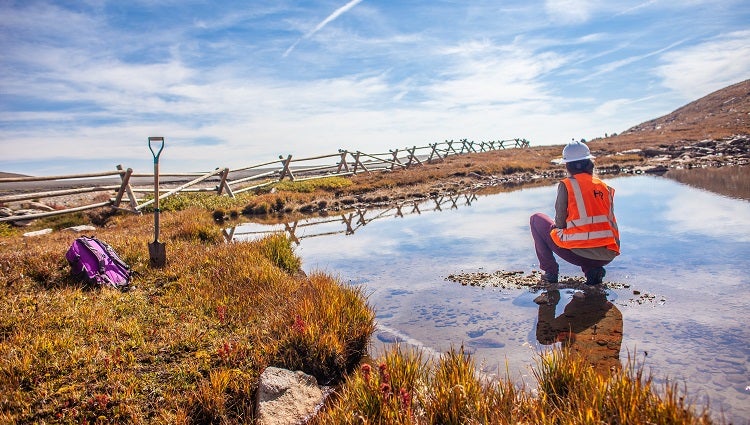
x=404, y=389
x=187, y=346
x=208, y=201
x=309, y=186
x=6, y=230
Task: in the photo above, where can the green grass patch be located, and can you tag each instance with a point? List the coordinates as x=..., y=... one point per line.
x=7, y=230
x=205, y=200
x=309, y=186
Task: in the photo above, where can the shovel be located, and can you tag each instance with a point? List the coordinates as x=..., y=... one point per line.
x=156, y=250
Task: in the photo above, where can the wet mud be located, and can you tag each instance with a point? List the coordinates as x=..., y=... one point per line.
x=504, y=279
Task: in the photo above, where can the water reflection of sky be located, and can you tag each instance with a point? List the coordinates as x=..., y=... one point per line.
x=686, y=246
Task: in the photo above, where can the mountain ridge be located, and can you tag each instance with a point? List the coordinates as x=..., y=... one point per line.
x=722, y=113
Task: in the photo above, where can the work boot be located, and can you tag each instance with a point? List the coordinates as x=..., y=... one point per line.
x=549, y=277
x=595, y=276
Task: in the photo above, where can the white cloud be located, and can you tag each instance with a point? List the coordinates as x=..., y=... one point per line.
x=479, y=73
x=637, y=8
x=717, y=217
x=568, y=11
x=617, y=64
x=698, y=70
x=408, y=74
x=338, y=12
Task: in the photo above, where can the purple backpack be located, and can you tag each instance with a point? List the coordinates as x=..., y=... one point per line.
x=97, y=263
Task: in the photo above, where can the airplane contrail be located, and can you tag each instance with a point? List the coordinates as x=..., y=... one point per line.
x=336, y=13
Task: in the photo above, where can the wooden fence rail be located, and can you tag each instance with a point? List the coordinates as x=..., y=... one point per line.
x=232, y=182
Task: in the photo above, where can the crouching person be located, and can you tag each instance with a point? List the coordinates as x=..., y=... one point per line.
x=584, y=231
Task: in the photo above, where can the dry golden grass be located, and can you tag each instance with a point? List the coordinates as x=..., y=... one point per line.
x=186, y=346
x=401, y=388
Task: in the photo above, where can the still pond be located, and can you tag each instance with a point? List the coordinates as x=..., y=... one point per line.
x=681, y=284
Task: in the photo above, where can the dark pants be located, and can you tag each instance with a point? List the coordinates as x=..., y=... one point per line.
x=541, y=225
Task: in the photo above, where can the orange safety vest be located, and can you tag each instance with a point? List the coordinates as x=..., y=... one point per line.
x=591, y=219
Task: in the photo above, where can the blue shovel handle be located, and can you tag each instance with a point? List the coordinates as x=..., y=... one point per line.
x=157, y=153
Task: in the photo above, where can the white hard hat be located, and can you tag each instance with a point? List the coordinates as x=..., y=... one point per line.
x=576, y=151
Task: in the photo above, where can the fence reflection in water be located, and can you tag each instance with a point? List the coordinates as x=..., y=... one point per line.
x=347, y=223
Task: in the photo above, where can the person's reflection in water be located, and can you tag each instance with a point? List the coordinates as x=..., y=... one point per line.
x=590, y=325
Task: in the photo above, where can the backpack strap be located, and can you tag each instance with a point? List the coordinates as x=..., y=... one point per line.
x=115, y=257
x=86, y=241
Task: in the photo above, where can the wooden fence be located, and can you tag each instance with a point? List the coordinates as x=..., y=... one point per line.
x=228, y=182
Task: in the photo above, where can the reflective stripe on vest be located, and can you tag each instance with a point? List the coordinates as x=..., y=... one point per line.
x=583, y=217
x=587, y=231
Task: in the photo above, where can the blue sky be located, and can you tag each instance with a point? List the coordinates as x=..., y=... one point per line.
x=235, y=83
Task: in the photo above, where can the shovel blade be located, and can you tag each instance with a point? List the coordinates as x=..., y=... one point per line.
x=157, y=252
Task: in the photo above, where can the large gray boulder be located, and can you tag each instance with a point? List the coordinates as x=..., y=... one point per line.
x=286, y=397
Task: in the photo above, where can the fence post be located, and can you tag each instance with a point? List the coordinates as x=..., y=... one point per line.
x=357, y=163
x=437, y=203
x=395, y=158
x=286, y=170
x=362, y=219
x=413, y=157
x=229, y=237
x=465, y=146
x=125, y=188
x=342, y=163
x=348, y=223
x=450, y=148
x=223, y=185
x=453, y=202
x=398, y=211
x=434, y=152
x=291, y=230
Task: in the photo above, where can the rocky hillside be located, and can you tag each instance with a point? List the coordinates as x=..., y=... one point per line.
x=721, y=114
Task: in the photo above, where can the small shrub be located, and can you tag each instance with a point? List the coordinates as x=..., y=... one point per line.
x=6, y=230
x=307, y=209
x=309, y=186
x=279, y=251
x=328, y=337
x=192, y=225
x=260, y=208
x=512, y=169
x=64, y=221
x=219, y=215
x=458, y=395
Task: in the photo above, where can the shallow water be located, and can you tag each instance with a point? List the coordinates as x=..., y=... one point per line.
x=686, y=247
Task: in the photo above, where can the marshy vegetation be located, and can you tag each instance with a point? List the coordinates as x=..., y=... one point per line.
x=402, y=388
x=189, y=343
x=186, y=346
